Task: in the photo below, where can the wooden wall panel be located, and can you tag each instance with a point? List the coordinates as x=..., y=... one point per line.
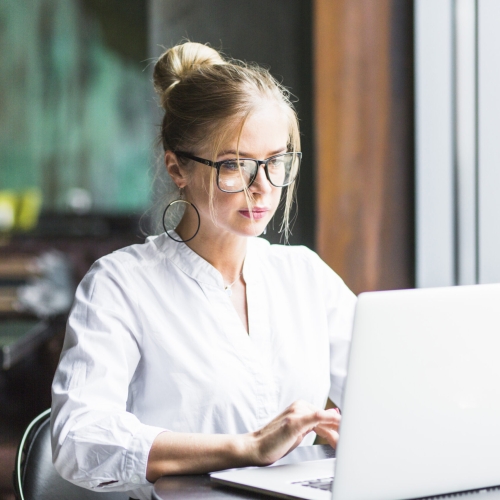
x=364, y=140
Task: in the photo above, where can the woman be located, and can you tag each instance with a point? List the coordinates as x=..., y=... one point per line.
x=205, y=347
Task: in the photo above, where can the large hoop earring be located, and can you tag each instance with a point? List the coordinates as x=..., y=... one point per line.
x=172, y=203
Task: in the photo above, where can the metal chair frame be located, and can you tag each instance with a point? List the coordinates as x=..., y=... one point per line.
x=33, y=480
x=21, y=455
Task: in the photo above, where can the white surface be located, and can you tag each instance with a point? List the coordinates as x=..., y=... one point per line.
x=435, y=239
x=279, y=479
x=422, y=400
x=465, y=72
x=489, y=140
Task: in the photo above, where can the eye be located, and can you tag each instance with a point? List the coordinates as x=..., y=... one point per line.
x=235, y=165
x=232, y=165
x=276, y=163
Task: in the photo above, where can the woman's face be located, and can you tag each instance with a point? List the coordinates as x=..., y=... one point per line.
x=264, y=134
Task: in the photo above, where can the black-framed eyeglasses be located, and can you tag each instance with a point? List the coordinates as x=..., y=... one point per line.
x=237, y=174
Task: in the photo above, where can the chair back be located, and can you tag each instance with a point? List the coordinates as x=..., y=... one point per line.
x=35, y=477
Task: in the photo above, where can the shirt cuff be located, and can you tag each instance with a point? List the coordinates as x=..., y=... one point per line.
x=136, y=461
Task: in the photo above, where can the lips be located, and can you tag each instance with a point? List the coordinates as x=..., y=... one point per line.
x=256, y=213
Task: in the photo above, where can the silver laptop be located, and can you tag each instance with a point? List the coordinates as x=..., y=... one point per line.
x=421, y=409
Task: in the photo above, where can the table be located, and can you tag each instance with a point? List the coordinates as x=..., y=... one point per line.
x=199, y=486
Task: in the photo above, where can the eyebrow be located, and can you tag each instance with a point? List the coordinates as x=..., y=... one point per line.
x=243, y=154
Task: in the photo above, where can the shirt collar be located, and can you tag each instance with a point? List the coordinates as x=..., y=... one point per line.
x=252, y=267
x=202, y=271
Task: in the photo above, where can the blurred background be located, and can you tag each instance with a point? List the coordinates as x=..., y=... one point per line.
x=399, y=119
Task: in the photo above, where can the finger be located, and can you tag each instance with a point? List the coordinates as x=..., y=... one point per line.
x=320, y=421
x=286, y=431
x=332, y=422
x=313, y=417
x=334, y=411
x=330, y=435
x=299, y=419
x=329, y=417
x=325, y=428
x=294, y=429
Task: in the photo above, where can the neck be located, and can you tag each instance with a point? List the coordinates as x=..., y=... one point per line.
x=226, y=252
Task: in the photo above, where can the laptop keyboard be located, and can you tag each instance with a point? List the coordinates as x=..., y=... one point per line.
x=325, y=483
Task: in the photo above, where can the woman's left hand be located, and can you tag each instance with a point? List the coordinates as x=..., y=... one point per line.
x=330, y=432
x=287, y=430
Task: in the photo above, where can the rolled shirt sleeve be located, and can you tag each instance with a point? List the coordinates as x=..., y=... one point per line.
x=340, y=322
x=340, y=304
x=95, y=440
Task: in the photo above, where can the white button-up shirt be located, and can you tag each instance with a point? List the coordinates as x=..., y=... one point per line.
x=154, y=343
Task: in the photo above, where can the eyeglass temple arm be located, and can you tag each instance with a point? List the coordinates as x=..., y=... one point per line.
x=195, y=158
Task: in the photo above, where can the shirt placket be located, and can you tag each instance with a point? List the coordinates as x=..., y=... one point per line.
x=252, y=349
x=260, y=335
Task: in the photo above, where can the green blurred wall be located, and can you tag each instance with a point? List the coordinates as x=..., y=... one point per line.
x=75, y=101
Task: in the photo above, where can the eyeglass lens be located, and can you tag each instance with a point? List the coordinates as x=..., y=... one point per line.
x=235, y=175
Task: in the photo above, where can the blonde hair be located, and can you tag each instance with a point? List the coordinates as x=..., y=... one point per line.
x=203, y=95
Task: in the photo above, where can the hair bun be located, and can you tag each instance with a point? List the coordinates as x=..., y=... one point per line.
x=177, y=62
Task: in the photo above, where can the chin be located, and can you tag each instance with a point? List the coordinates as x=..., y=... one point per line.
x=255, y=229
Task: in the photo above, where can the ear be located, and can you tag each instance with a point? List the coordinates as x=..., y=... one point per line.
x=175, y=170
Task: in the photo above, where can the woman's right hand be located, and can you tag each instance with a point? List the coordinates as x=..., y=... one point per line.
x=287, y=430
x=182, y=453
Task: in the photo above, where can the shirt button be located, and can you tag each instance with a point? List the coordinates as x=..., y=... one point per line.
x=135, y=479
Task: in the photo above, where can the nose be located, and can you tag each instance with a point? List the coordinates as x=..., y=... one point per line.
x=261, y=183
